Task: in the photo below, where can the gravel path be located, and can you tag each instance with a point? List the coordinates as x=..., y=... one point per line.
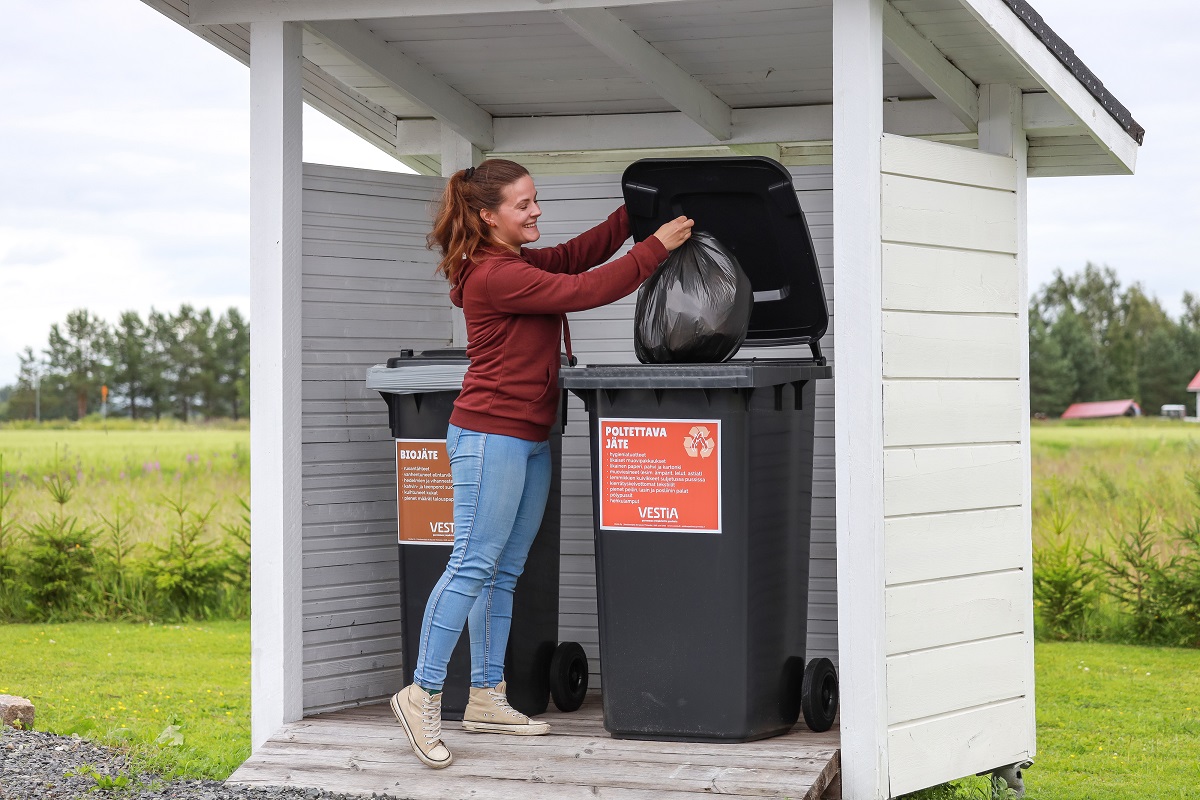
x=43, y=766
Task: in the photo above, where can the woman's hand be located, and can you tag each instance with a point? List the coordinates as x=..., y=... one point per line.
x=675, y=232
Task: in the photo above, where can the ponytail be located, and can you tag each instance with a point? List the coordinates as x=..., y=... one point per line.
x=458, y=230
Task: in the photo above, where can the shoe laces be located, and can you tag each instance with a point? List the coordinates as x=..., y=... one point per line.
x=501, y=701
x=431, y=718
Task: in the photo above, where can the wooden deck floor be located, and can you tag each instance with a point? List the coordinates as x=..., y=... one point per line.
x=363, y=750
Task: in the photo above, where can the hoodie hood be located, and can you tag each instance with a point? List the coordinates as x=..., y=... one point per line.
x=456, y=291
x=481, y=255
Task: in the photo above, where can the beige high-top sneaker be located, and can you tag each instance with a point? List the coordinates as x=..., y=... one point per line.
x=488, y=711
x=421, y=715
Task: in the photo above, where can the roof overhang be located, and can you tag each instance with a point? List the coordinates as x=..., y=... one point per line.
x=597, y=76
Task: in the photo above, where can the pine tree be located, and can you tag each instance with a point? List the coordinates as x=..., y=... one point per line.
x=77, y=354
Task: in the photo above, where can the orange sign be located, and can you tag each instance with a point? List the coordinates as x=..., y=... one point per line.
x=660, y=474
x=424, y=492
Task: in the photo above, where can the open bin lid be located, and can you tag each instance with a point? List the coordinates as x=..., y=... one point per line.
x=749, y=204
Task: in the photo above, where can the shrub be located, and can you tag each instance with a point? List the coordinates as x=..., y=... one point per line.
x=121, y=585
x=59, y=557
x=237, y=560
x=1064, y=583
x=188, y=573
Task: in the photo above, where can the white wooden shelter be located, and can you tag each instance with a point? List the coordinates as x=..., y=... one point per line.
x=937, y=111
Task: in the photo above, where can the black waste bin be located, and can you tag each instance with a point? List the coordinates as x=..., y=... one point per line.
x=702, y=484
x=420, y=391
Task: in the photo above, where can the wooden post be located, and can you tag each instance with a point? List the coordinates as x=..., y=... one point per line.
x=457, y=153
x=858, y=394
x=275, y=181
x=1001, y=131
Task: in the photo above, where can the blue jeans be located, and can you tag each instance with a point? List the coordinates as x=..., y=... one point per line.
x=500, y=488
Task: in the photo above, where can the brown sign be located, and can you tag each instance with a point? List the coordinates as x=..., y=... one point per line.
x=424, y=492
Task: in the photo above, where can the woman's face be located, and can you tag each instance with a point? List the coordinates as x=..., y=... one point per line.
x=514, y=223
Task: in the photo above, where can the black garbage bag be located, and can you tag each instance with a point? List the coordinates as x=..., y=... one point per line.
x=695, y=308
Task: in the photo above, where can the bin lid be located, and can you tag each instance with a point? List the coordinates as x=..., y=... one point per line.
x=735, y=374
x=749, y=204
x=416, y=373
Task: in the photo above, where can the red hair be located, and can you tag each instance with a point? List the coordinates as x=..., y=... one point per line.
x=458, y=230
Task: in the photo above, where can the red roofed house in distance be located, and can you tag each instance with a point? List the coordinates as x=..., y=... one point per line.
x=1103, y=409
x=1194, y=386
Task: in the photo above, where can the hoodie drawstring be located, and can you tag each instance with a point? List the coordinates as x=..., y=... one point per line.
x=567, y=338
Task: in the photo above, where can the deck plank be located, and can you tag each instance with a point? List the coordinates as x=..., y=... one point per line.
x=362, y=750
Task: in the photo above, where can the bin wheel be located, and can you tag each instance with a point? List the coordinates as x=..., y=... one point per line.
x=568, y=676
x=819, y=695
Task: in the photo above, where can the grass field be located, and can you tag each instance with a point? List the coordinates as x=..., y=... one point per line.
x=129, y=471
x=128, y=685
x=1092, y=480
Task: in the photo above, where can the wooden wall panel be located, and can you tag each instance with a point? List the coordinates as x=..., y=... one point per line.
x=927, y=212
x=919, y=345
x=928, y=547
x=927, y=412
x=950, y=611
x=956, y=471
x=946, y=679
x=368, y=290
x=931, y=752
x=933, y=279
x=927, y=480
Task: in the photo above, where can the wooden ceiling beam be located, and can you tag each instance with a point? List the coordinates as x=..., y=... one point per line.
x=752, y=127
x=623, y=45
x=357, y=43
x=929, y=67
x=221, y=12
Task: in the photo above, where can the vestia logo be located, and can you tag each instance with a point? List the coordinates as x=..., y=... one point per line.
x=658, y=512
x=441, y=527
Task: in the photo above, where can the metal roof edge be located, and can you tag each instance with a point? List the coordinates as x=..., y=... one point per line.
x=1066, y=56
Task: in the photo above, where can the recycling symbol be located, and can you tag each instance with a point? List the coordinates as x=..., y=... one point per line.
x=698, y=442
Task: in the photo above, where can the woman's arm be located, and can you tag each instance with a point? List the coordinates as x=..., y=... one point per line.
x=586, y=250
x=516, y=287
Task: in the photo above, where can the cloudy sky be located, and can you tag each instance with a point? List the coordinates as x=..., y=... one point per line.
x=124, y=162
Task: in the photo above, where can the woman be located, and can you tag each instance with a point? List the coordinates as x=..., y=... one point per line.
x=515, y=301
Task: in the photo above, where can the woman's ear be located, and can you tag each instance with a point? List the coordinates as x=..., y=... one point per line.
x=488, y=217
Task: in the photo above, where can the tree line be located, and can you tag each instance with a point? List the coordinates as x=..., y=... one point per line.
x=1090, y=338
x=186, y=364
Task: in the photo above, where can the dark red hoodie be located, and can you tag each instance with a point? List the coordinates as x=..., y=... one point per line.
x=514, y=305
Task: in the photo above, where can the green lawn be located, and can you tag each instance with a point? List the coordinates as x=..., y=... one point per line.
x=1116, y=722
x=126, y=684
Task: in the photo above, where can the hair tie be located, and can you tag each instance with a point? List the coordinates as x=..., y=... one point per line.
x=467, y=173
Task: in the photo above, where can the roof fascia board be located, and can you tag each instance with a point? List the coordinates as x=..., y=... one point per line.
x=419, y=85
x=220, y=12
x=1023, y=45
x=751, y=127
x=929, y=67
x=637, y=56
